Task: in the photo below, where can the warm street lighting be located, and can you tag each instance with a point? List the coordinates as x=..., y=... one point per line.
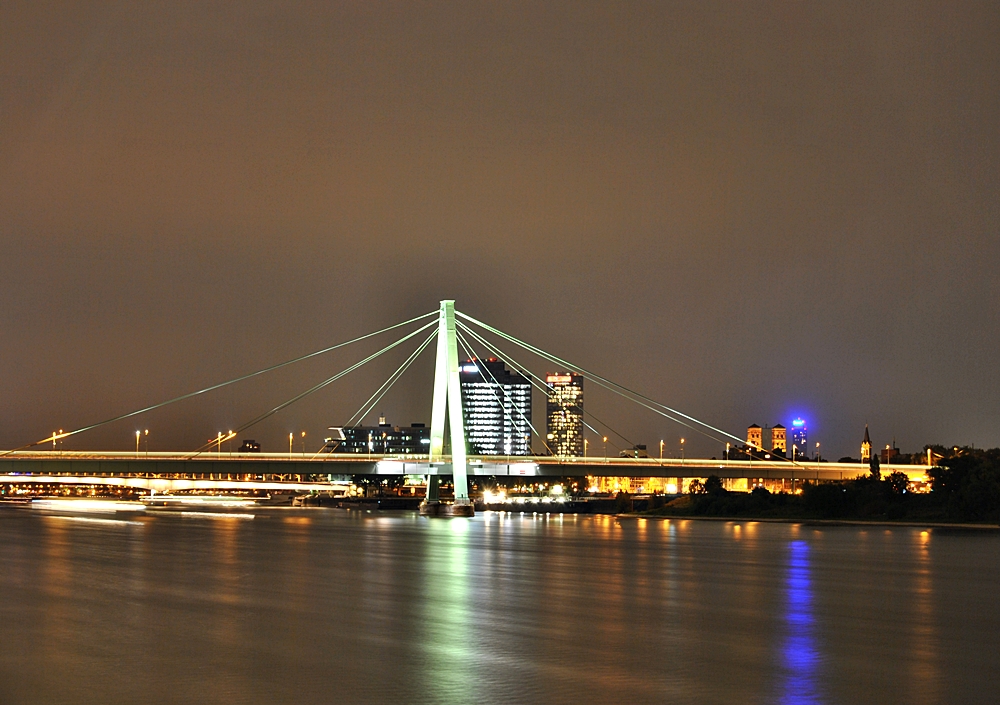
x=661, y=449
x=290, y=437
x=586, y=441
x=303, y=443
x=605, y=448
x=137, y=435
x=145, y=434
x=219, y=440
x=682, y=451
x=817, y=451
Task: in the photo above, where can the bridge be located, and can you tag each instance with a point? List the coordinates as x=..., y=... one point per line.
x=295, y=471
x=208, y=469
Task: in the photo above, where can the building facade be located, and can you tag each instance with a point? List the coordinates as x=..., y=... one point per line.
x=866, y=447
x=383, y=439
x=800, y=438
x=564, y=414
x=496, y=403
x=779, y=440
x=755, y=437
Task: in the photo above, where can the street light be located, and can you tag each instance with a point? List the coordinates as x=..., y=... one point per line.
x=290, y=437
x=137, y=434
x=303, y=443
x=219, y=441
x=682, y=451
x=146, y=435
x=661, y=450
x=586, y=441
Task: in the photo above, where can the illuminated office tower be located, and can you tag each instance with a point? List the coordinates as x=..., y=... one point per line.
x=496, y=403
x=564, y=414
x=779, y=440
x=800, y=438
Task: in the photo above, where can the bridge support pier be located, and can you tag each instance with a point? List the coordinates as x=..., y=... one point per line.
x=447, y=401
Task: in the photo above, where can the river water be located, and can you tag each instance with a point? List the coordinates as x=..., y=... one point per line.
x=332, y=606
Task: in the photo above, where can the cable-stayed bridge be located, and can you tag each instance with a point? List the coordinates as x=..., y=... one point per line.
x=205, y=468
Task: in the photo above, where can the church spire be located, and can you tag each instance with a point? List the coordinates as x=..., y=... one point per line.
x=866, y=447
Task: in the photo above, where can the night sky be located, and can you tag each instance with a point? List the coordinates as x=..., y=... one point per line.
x=748, y=211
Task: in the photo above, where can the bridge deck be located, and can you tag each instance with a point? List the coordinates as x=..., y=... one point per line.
x=218, y=466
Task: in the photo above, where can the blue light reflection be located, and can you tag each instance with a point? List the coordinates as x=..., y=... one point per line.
x=800, y=659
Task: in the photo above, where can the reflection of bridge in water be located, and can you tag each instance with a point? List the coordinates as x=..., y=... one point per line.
x=208, y=469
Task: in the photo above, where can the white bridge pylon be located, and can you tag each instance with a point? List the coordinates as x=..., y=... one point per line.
x=448, y=398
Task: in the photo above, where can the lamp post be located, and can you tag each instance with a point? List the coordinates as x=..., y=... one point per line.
x=605, y=449
x=817, y=451
x=303, y=443
x=661, y=449
x=290, y=436
x=137, y=434
x=682, y=451
x=218, y=440
x=146, y=438
x=586, y=441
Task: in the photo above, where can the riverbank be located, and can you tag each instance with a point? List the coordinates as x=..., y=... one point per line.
x=979, y=526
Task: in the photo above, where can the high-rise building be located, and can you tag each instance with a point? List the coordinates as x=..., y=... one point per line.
x=564, y=414
x=755, y=437
x=496, y=403
x=866, y=447
x=779, y=440
x=800, y=438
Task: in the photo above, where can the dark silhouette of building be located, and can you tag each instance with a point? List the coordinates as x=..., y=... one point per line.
x=383, y=439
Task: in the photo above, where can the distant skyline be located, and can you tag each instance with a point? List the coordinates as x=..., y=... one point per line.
x=749, y=213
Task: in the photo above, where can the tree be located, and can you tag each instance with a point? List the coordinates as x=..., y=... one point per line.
x=898, y=481
x=876, y=474
x=713, y=485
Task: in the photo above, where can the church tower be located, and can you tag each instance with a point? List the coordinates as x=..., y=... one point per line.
x=866, y=447
x=779, y=440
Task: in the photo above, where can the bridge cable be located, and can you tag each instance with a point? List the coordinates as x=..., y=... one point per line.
x=513, y=363
x=475, y=360
x=375, y=398
x=607, y=384
x=508, y=360
x=383, y=389
x=315, y=388
x=623, y=391
x=58, y=436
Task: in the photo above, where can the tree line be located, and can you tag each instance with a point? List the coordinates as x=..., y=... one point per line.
x=965, y=487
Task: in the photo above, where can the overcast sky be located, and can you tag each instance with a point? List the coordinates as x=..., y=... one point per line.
x=748, y=211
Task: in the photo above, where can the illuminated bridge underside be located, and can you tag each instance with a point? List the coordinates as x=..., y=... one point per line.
x=272, y=471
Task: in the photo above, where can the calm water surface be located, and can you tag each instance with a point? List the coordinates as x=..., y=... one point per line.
x=329, y=606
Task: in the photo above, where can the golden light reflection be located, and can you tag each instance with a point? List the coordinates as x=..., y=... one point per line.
x=924, y=675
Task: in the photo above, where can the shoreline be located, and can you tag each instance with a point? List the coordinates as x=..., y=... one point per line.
x=823, y=522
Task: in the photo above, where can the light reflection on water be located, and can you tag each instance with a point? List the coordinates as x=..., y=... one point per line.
x=316, y=606
x=801, y=659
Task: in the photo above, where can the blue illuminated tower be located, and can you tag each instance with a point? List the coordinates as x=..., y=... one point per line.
x=800, y=438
